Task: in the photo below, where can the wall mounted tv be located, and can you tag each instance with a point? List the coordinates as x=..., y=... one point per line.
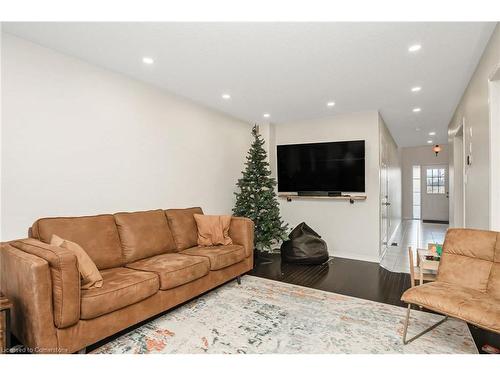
x=322, y=167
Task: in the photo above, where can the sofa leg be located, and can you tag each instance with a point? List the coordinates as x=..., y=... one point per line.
x=407, y=320
x=238, y=279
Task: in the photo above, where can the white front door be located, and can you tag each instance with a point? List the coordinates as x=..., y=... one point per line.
x=434, y=192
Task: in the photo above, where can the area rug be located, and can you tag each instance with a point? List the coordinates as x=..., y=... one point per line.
x=265, y=316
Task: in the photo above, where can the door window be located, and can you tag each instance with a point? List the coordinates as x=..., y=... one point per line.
x=416, y=191
x=435, y=181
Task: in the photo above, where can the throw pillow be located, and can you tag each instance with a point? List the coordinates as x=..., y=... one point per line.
x=91, y=277
x=213, y=230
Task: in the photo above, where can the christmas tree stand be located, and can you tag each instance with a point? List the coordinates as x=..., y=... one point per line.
x=261, y=257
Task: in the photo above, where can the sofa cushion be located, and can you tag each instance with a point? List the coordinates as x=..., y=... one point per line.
x=183, y=226
x=219, y=256
x=174, y=269
x=464, y=303
x=121, y=287
x=98, y=235
x=144, y=234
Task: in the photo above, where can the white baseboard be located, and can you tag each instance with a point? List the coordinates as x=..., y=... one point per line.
x=356, y=256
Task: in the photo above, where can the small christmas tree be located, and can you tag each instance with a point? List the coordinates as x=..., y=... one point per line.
x=257, y=198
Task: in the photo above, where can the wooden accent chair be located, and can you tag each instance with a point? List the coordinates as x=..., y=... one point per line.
x=415, y=270
x=467, y=286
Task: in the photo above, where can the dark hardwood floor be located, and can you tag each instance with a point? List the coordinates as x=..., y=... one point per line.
x=354, y=278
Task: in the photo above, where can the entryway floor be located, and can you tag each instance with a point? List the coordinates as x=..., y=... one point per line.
x=412, y=233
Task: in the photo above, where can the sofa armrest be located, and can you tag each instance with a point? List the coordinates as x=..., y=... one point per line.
x=26, y=281
x=241, y=231
x=64, y=275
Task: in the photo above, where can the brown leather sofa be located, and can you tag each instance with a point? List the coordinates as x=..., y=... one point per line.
x=467, y=286
x=150, y=262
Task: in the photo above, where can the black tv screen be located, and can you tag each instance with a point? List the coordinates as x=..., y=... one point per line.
x=322, y=167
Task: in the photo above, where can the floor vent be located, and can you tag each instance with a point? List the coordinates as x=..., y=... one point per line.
x=436, y=221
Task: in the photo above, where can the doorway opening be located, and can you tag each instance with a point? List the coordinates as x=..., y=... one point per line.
x=434, y=198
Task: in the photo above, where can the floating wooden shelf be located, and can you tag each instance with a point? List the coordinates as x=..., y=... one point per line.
x=351, y=198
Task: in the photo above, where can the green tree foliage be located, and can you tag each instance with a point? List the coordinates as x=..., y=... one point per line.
x=257, y=199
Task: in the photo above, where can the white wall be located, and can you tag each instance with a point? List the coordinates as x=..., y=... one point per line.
x=456, y=181
x=78, y=139
x=494, y=90
x=351, y=231
x=389, y=155
x=410, y=156
x=474, y=111
x=1, y=132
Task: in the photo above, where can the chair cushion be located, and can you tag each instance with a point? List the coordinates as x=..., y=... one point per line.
x=144, y=234
x=219, y=256
x=98, y=235
x=478, y=308
x=472, y=243
x=494, y=281
x=467, y=258
x=173, y=269
x=121, y=287
x=183, y=226
x=464, y=271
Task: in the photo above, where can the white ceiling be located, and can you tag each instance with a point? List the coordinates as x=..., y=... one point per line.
x=290, y=70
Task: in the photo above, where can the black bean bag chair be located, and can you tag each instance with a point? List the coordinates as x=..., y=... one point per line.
x=304, y=246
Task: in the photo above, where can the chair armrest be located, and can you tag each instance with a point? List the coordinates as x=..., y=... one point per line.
x=241, y=231
x=26, y=281
x=64, y=275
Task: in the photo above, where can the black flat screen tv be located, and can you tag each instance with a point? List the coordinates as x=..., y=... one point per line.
x=322, y=167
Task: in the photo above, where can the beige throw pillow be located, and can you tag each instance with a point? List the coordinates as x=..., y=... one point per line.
x=213, y=230
x=91, y=277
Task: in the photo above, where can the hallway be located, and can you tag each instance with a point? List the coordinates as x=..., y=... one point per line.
x=412, y=233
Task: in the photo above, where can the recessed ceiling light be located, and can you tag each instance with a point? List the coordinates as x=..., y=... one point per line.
x=226, y=96
x=417, y=109
x=148, y=60
x=414, y=48
x=267, y=115
x=416, y=89
x=429, y=141
x=432, y=133
x=330, y=104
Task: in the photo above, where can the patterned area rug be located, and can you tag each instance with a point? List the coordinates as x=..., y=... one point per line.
x=265, y=316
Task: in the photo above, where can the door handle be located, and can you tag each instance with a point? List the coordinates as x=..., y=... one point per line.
x=386, y=204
